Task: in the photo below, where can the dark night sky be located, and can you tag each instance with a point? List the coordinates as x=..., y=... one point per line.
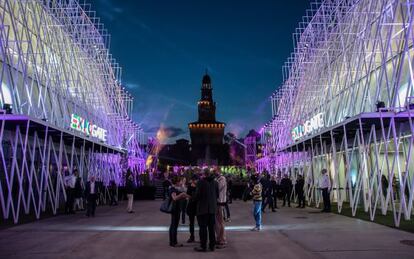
x=164, y=47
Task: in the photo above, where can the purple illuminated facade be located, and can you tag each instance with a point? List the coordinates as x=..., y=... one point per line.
x=347, y=105
x=63, y=106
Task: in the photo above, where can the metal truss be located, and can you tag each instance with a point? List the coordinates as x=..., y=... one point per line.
x=250, y=150
x=54, y=62
x=352, y=59
x=34, y=159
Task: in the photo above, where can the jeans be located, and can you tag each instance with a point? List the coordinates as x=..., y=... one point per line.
x=206, y=223
x=286, y=196
x=326, y=200
x=227, y=216
x=130, y=202
x=70, y=200
x=91, y=205
x=268, y=201
x=175, y=220
x=301, y=198
x=183, y=207
x=191, y=217
x=257, y=213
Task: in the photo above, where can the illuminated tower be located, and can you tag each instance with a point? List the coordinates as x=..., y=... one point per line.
x=206, y=133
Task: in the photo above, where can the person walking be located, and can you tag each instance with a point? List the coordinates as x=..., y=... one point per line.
x=300, y=183
x=192, y=206
x=221, y=204
x=91, y=193
x=325, y=186
x=286, y=185
x=256, y=194
x=130, y=189
x=206, y=196
x=175, y=197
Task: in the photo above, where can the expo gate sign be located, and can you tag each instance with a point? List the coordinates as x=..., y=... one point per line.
x=82, y=125
x=309, y=127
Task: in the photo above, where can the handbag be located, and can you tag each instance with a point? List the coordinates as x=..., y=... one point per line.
x=167, y=205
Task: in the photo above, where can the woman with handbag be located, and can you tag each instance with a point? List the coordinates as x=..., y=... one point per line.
x=175, y=196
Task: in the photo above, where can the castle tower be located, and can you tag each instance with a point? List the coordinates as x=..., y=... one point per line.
x=206, y=131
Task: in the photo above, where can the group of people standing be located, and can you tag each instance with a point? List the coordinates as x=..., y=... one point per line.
x=77, y=193
x=206, y=198
x=266, y=190
x=274, y=188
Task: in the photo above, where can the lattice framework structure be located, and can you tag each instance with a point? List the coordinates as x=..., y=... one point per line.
x=353, y=64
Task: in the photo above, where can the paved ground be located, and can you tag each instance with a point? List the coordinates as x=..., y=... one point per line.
x=288, y=233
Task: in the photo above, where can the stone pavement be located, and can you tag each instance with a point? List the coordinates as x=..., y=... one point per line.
x=288, y=233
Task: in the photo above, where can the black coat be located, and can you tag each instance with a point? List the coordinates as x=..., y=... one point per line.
x=130, y=187
x=299, y=185
x=88, y=188
x=192, y=204
x=286, y=184
x=206, y=196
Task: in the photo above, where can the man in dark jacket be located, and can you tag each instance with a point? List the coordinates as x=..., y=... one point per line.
x=267, y=193
x=206, y=196
x=91, y=193
x=286, y=185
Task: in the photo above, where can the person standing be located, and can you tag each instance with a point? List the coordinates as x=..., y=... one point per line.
x=384, y=185
x=286, y=185
x=267, y=193
x=300, y=183
x=227, y=216
x=275, y=189
x=78, y=192
x=166, y=185
x=175, y=197
x=256, y=194
x=192, y=206
x=113, y=193
x=130, y=190
x=183, y=203
x=221, y=203
x=325, y=186
x=70, y=181
x=91, y=193
x=206, y=196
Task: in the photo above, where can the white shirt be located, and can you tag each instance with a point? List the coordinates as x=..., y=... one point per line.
x=324, y=181
x=92, y=187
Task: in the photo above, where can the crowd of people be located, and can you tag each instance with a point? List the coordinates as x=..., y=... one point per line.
x=85, y=197
x=207, y=195
x=203, y=194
